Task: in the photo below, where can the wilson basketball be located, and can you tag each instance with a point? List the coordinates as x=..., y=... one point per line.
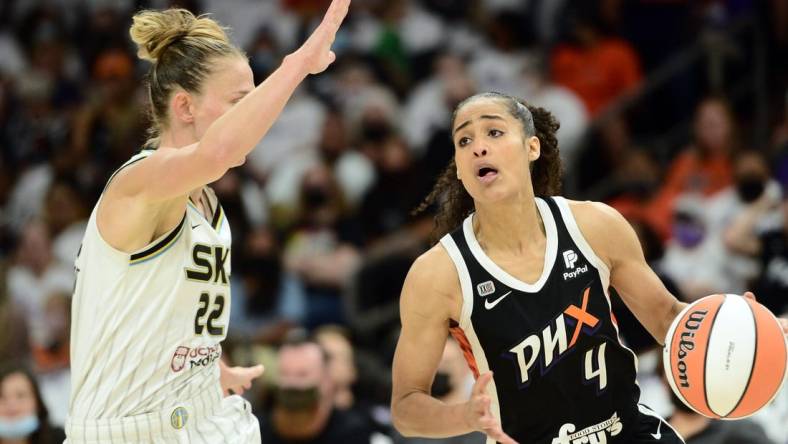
x=725, y=356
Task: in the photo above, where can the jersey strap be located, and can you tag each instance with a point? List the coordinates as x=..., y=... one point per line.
x=159, y=247
x=136, y=158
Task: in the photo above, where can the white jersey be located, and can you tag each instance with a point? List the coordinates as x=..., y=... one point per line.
x=147, y=326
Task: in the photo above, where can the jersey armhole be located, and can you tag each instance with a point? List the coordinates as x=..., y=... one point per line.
x=465, y=280
x=153, y=248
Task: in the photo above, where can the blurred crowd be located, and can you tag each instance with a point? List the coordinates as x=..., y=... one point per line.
x=321, y=213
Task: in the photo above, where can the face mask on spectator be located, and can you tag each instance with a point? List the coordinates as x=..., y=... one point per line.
x=297, y=399
x=18, y=428
x=687, y=233
x=750, y=188
x=375, y=130
x=441, y=386
x=316, y=197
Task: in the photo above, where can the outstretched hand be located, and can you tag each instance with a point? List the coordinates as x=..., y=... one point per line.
x=783, y=322
x=478, y=414
x=316, y=52
x=236, y=380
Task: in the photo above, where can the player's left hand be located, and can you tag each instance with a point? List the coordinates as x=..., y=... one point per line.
x=783, y=322
x=236, y=380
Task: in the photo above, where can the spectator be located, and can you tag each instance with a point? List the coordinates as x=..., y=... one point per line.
x=599, y=68
x=704, y=167
x=14, y=338
x=23, y=416
x=108, y=128
x=401, y=184
x=66, y=217
x=753, y=191
x=303, y=409
x=770, y=247
x=693, y=258
x=341, y=364
x=428, y=106
x=322, y=251
x=32, y=280
x=540, y=90
x=354, y=171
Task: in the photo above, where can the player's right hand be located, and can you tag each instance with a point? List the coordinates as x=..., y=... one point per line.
x=479, y=415
x=316, y=52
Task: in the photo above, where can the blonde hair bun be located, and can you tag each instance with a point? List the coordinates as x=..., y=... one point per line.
x=154, y=31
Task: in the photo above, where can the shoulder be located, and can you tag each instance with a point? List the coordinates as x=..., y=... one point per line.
x=607, y=232
x=596, y=218
x=434, y=269
x=432, y=287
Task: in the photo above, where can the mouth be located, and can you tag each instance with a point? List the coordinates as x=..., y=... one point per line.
x=486, y=174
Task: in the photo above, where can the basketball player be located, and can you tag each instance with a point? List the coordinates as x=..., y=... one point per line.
x=152, y=297
x=521, y=280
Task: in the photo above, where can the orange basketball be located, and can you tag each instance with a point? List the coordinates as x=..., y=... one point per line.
x=725, y=356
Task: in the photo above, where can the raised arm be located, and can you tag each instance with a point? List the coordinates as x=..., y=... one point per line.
x=430, y=298
x=170, y=172
x=148, y=197
x=616, y=243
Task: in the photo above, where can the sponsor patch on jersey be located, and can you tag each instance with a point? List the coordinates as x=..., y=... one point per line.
x=195, y=357
x=179, y=418
x=485, y=288
x=597, y=433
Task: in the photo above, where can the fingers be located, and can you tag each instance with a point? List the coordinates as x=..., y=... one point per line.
x=481, y=384
x=257, y=370
x=337, y=12
x=750, y=295
x=784, y=324
x=492, y=428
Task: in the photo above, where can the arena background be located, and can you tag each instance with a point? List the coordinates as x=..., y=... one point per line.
x=672, y=111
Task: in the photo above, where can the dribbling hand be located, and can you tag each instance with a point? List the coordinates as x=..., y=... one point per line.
x=316, y=52
x=478, y=414
x=783, y=321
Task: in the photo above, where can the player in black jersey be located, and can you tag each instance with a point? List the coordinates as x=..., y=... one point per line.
x=520, y=279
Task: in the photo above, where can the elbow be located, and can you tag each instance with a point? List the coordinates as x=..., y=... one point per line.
x=398, y=420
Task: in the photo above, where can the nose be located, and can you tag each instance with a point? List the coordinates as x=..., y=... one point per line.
x=479, y=151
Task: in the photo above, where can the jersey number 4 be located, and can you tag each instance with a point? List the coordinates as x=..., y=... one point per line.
x=601, y=368
x=202, y=322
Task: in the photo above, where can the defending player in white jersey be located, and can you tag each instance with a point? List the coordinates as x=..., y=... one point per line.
x=152, y=298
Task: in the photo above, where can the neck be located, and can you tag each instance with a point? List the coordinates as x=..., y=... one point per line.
x=177, y=138
x=509, y=226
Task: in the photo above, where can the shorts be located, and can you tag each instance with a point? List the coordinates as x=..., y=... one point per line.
x=207, y=419
x=653, y=429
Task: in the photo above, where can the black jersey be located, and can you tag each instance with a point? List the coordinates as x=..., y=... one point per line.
x=560, y=372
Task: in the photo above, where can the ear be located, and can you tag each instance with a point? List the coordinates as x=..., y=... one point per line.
x=534, y=148
x=182, y=107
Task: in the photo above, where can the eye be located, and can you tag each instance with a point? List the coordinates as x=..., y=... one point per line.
x=464, y=141
x=495, y=133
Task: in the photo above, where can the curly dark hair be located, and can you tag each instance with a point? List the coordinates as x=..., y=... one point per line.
x=453, y=203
